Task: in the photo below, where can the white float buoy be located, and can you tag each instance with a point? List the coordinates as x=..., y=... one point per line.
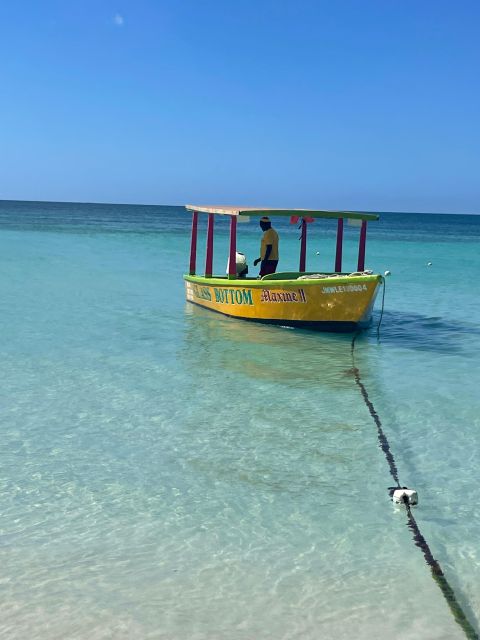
x=409, y=496
x=429, y=264
x=318, y=253
x=388, y=273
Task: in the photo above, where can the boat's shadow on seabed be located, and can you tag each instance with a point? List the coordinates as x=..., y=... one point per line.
x=425, y=333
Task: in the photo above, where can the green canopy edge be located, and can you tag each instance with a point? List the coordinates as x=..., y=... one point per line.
x=301, y=213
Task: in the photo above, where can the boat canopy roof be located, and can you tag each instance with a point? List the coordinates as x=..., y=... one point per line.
x=261, y=211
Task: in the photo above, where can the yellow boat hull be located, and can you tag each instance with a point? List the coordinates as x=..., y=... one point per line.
x=339, y=303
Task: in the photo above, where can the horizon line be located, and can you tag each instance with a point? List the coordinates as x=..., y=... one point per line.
x=140, y=204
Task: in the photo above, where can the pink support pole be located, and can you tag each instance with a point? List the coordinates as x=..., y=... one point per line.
x=361, y=246
x=193, y=244
x=338, y=255
x=209, y=254
x=303, y=246
x=232, y=261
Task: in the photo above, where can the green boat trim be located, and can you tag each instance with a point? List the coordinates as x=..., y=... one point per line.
x=268, y=281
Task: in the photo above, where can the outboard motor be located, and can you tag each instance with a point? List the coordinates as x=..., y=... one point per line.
x=241, y=265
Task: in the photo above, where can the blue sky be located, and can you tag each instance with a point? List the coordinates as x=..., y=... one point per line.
x=341, y=104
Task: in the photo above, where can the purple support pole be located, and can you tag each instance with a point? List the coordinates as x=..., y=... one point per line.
x=361, y=246
x=209, y=254
x=303, y=246
x=232, y=261
x=193, y=244
x=338, y=255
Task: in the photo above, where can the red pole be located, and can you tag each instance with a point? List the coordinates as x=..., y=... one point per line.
x=209, y=255
x=303, y=246
x=232, y=261
x=338, y=255
x=361, y=246
x=193, y=244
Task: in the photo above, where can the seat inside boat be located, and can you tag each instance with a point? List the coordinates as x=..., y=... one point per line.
x=282, y=275
x=295, y=275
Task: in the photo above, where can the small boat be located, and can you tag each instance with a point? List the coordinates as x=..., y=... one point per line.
x=334, y=301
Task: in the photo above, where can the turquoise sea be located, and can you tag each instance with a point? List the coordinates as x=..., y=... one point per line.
x=168, y=473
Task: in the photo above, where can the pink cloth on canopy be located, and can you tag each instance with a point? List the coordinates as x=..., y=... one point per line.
x=295, y=219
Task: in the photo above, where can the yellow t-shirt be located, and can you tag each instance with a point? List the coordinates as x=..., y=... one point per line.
x=269, y=237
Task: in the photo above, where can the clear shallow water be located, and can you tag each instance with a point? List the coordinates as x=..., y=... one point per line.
x=169, y=473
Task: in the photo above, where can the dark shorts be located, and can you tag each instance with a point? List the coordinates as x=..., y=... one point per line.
x=268, y=266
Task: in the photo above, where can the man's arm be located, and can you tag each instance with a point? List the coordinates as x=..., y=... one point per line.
x=268, y=251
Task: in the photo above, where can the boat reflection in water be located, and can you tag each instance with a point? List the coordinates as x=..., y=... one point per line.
x=273, y=354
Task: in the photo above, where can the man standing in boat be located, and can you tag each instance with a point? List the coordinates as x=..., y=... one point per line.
x=268, y=248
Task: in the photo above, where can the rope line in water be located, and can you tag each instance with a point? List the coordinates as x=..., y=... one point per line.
x=419, y=540
x=384, y=282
